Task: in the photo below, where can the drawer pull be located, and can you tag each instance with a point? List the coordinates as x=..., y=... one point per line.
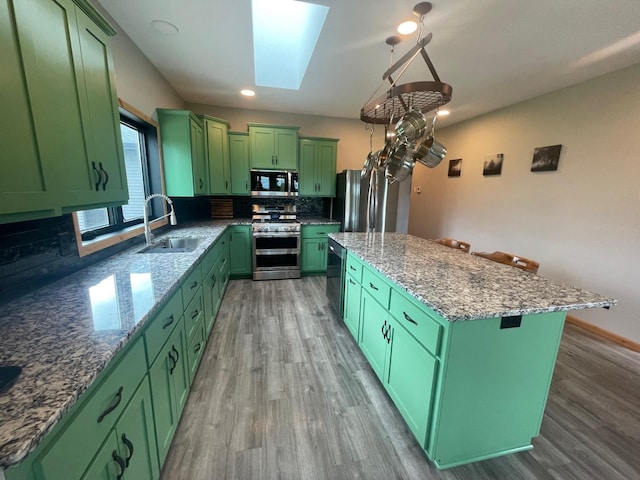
x=197, y=348
x=118, y=459
x=129, y=445
x=373, y=286
x=195, y=315
x=106, y=176
x=113, y=406
x=320, y=233
x=194, y=285
x=352, y=282
x=175, y=362
x=352, y=268
x=173, y=347
x=213, y=280
x=98, y=176
x=169, y=322
x=382, y=329
x=409, y=319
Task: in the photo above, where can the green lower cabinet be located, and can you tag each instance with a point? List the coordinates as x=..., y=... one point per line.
x=108, y=463
x=195, y=350
x=494, y=388
x=411, y=379
x=314, y=255
x=212, y=298
x=130, y=450
x=314, y=247
x=240, y=251
x=352, y=295
x=375, y=334
x=169, y=389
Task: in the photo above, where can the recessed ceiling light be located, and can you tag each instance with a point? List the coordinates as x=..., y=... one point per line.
x=443, y=113
x=248, y=93
x=165, y=27
x=407, y=27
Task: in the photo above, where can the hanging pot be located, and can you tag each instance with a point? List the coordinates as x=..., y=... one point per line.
x=411, y=126
x=386, y=153
x=400, y=164
x=369, y=163
x=430, y=152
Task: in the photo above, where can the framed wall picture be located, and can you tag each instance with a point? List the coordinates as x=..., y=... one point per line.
x=493, y=164
x=545, y=159
x=455, y=167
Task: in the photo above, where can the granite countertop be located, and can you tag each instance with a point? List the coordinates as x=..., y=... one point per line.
x=317, y=221
x=76, y=326
x=459, y=286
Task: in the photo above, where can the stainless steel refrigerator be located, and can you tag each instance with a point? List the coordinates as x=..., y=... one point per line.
x=388, y=203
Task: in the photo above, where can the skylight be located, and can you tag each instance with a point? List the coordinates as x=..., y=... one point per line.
x=285, y=33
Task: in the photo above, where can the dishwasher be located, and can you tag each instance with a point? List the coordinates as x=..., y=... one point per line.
x=335, y=276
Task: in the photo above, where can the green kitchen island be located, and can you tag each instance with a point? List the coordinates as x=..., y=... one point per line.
x=464, y=346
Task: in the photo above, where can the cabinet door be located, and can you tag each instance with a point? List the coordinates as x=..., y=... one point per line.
x=239, y=163
x=374, y=334
x=197, y=159
x=313, y=255
x=263, y=147
x=101, y=119
x=33, y=132
x=240, y=250
x=308, y=185
x=352, y=295
x=108, y=463
x=137, y=437
x=217, y=156
x=211, y=295
x=326, y=168
x=286, y=153
x=412, y=374
x=168, y=375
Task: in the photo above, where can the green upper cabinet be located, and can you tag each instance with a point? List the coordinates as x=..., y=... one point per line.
x=239, y=162
x=318, y=157
x=185, y=172
x=62, y=149
x=273, y=147
x=216, y=145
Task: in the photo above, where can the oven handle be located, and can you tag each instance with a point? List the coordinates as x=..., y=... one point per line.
x=276, y=234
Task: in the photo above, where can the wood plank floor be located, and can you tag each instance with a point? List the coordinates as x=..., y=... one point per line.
x=283, y=392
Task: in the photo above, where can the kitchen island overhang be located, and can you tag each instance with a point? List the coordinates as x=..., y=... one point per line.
x=485, y=334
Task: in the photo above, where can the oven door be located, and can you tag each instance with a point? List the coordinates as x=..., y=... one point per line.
x=276, y=255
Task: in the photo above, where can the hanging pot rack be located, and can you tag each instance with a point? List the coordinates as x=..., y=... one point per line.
x=399, y=99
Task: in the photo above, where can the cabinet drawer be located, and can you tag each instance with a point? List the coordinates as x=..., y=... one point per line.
x=193, y=314
x=318, y=231
x=354, y=268
x=376, y=285
x=162, y=325
x=416, y=320
x=191, y=285
x=71, y=453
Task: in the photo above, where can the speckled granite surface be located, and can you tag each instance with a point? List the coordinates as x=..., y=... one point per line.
x=459, y=286
x=63, y=335
x=317, y=221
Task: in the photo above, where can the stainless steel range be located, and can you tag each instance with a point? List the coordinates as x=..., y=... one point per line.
x=275, y=242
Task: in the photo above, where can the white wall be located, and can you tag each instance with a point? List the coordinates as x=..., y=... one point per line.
x=138, y=81
x=582, y=222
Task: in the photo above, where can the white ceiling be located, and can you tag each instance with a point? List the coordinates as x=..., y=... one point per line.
x=492, y=52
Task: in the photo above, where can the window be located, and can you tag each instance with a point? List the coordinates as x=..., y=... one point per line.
x=142, y=164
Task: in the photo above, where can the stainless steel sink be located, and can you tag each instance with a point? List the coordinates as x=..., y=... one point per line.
x=173, y=245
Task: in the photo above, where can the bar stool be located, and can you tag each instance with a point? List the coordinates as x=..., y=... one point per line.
x=517, y=261
x=453, y=243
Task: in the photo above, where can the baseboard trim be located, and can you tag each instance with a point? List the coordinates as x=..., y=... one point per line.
x=601, y=332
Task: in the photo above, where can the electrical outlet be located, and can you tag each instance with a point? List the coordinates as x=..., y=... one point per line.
x=417, y=189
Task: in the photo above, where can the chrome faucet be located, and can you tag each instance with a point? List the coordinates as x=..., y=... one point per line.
x=147, y=224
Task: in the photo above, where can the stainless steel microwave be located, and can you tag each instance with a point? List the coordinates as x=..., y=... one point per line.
x=274, y=183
